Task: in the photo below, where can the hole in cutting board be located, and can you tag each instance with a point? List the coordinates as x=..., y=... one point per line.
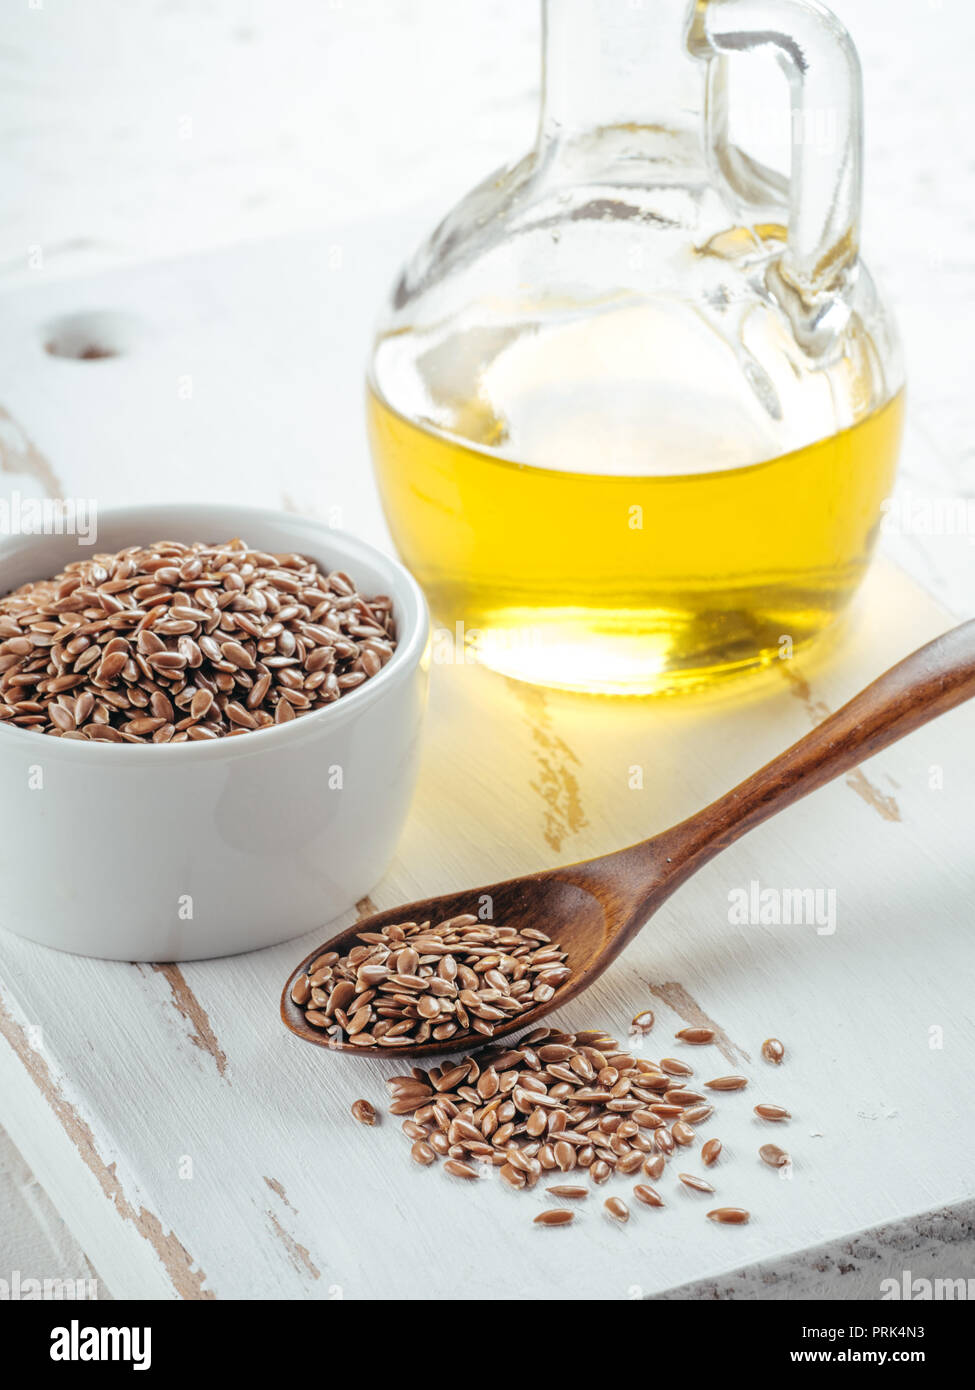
x=92, y=336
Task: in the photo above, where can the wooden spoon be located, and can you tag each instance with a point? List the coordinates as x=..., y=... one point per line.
x=595, y=908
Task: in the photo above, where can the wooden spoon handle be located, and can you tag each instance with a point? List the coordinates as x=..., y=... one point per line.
x=930, y=682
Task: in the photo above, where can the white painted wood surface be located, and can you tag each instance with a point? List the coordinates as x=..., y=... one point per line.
x=139, y=1075
x=34, y=1237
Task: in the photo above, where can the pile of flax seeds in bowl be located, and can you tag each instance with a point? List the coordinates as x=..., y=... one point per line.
x=174, y=643
x=554, y=1105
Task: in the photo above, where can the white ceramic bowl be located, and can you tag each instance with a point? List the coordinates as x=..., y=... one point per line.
x=167, y=853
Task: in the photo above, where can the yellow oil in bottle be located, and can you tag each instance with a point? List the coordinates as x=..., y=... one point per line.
x=630, y=582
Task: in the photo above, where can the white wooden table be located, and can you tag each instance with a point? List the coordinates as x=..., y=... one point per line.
x=196, y=1149
x=193, y=1147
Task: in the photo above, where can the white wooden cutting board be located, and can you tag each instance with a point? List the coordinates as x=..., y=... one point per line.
x=197, y=1150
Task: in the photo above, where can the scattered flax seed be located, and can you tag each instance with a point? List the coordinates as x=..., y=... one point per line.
x=553, y=1108
x=673, y=1067
x=729, y=1216
x=460, y=1170
x=172, y=643
x=643, y=1022
x=555, y=1216
x=772, y=1112
x=412, y=982
x=697, y=1114
x=697, y=1037
x=695, y=1183
x=647, y=1195
x=774, y=1156
x=773, y=1050
x=679, y=1097
x=710, y=1152
x=554, y=1103
x=364, y=1112
x=727, y=1083
x=617, y=1209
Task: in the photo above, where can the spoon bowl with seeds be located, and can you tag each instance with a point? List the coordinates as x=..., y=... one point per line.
x=449, y=973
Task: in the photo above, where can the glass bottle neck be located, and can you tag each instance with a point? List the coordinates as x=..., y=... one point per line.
x=618, y=63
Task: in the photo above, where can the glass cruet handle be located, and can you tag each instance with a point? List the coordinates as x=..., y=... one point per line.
x=825, y=188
